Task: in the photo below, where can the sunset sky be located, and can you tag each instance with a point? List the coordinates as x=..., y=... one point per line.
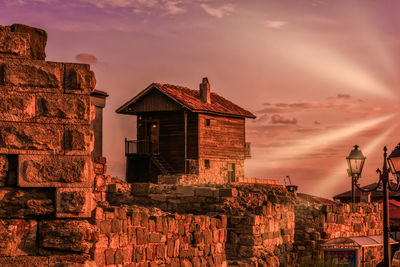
x=321, y=75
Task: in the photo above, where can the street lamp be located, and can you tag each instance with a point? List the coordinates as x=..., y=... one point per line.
x=394, y=161
x=356, y=162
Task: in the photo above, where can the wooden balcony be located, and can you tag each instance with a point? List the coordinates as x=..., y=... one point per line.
x=136, y=147
x=247, y=150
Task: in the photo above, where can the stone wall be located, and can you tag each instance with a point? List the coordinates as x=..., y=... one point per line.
x=316, y=223
x=46, y=178
x=217, y=173
x=150, y=237
x=260, y=220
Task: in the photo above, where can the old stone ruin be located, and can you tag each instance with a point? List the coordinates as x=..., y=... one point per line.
x=58, y=207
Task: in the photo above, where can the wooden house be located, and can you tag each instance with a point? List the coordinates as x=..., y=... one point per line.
x=181, y=131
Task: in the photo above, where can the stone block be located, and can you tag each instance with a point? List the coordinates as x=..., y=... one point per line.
x=115, y=226
x=30, y=74
x=141, y=189
x=62, y=108
x=74, y=202
x=168, y=179
x=109, y=256
x=99, y=257
x=205, y=192
x=3, y=169
x=185, y=190
x=228, y=192
x=37, y=39
x=79, y=79
x=30, y=138
x=67, y=235
x=100, y=169
x=25, y=203
x=54, y=171
x=78, y=140
x=24, y=261
x=141, y=236
x=17, y=237
x=101, y=160
x=14, y=43
x=100, y=183
x=17, y=106
x=160, y=198
x=69, y=260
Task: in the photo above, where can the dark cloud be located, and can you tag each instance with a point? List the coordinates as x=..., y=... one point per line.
x=333, y=103
x=344, y=96
x=279, y=119
x=86, y=58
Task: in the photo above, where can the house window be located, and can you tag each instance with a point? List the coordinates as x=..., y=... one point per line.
x=208, y=122
x=207, y=163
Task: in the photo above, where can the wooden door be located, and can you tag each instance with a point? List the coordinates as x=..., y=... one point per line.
x=152, y=136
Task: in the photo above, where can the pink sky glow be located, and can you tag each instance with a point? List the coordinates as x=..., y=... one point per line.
x=321, y=75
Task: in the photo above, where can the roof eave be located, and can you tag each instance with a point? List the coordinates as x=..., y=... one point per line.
x=147, y=89
x=224, y=114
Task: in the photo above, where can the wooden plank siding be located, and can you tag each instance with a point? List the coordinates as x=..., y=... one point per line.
x=224, y=138
x=192, y=135
x=171, y=136
x=154, y=101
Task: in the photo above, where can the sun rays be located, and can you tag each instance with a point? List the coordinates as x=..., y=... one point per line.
x=315, y=58
x=338, y=176
x=315, y=143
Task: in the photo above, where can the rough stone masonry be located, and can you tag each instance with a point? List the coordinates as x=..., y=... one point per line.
x=58, y=207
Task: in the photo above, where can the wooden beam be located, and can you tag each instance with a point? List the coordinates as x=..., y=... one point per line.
x=186, y=137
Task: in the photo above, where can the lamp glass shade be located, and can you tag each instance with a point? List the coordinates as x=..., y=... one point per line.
x=394, y=160
x=355, y=161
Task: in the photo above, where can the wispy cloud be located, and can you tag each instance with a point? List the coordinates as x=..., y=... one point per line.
x=218, y=12
x=338, y=103
x=279, y=119
x=24, y=2
x=274, y=24
x=171, y=7
x=174, y=7
x=86, y=58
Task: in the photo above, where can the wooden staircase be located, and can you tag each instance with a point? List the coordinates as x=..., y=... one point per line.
x=162, y=164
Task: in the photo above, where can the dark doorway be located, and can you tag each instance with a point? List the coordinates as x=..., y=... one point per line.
x=152, y=137
x=231, y=172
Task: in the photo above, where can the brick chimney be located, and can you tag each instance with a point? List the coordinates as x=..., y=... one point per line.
x=205, y=91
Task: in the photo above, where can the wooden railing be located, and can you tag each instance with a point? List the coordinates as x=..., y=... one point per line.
x=136, y=147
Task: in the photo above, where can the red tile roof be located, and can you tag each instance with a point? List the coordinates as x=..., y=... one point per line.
x=374, y=194
x=394, y=212
x=190, y=99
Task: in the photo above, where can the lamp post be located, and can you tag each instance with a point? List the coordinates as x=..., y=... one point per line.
x=356, y=163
